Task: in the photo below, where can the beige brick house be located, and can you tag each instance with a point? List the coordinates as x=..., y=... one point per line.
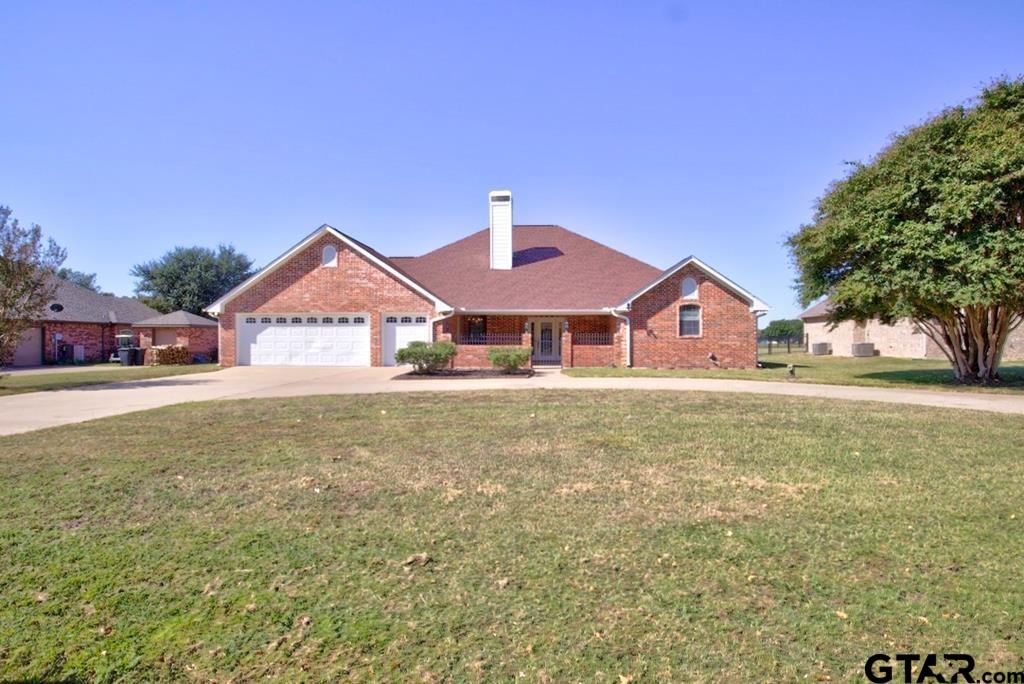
x=332, y=300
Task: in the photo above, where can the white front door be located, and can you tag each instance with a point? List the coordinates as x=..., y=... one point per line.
x=338, y=339
x=547, y=340
x=398, y=331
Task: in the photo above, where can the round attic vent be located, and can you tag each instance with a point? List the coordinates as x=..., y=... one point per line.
x=56, y=308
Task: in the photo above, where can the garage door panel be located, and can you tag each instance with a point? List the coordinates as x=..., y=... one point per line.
x=327, y=340
x=398, y=330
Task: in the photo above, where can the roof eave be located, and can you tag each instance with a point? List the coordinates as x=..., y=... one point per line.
x=756, y=305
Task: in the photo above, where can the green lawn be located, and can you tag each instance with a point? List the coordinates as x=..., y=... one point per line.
x=878, y=371
x=35, y=382
x=565, y=536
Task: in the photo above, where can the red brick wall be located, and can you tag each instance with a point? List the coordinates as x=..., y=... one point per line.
x=97, y=338
x=302, y=285
x=728, y=328
x=198, y=339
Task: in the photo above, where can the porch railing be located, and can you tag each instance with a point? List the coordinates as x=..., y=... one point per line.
x=592, y=338
x=496, y=339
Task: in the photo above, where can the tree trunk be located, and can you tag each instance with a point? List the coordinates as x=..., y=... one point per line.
x=973, y=339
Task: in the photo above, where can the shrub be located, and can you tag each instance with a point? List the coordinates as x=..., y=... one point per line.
x=509, y=359
x=426, y=358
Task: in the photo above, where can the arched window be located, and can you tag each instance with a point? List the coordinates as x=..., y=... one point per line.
x=329, y=257
x=689, y=288
x=689, y=320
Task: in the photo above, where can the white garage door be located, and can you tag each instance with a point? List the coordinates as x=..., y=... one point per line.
x=340, y=339
x=399, y=330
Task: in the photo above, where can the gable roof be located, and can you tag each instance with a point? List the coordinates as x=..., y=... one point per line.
x=370, y=254
x=756, y=304
x=177, y=319
x=82, y=305
x=553, y=269
x=819, y=310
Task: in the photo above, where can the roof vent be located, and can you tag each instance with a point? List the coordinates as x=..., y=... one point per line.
x=500, y=202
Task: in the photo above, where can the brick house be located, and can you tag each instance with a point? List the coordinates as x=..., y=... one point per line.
x=198, y=334
x=79, y=325
x=901, y=339
x=332, y=300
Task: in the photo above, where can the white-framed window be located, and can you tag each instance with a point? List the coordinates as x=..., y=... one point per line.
x=329, y=256
x=250, y=319
x=358, y=319
x=296, y=319
x=391, y=319
x=311, y=319
x=407, y=319
x=343, y=320
x=689, y=320
x=327, y=319
x=265, y=319
x=689, y=288
x=281, y=319
x=421, y=319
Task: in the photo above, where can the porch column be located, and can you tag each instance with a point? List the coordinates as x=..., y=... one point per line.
x=566, y=349
x=527, y=343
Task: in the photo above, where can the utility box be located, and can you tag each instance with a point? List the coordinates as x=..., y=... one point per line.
x=862, y=349
x=821, y=349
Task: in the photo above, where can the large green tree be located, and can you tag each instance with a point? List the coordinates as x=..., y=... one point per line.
x=931, y=230
x=190, y=278
x=80, y=278
x=27, y=266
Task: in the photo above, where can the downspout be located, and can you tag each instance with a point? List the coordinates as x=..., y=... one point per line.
x=629, y=336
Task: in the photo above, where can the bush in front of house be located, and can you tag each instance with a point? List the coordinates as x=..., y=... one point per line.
x=170, y=355
x=509, y=359
x=426, y=358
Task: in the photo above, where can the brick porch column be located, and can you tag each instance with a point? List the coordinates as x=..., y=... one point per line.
x=566, y=349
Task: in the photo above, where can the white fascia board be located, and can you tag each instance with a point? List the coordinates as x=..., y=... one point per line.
x=218, y=306
x=756, y=304
x=530, y=312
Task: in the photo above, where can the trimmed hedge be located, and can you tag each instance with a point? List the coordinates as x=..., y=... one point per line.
x=509, y=359
x=426, y=358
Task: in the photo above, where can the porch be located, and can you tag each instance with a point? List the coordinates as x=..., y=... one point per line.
x=567, y=341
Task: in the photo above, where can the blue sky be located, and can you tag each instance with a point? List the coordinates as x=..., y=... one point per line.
x=660, y=128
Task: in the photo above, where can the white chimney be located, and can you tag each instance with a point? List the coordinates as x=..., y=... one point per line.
x=500, y=202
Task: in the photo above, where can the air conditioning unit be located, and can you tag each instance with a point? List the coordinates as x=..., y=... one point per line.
x=821, y=349
x=862, y=349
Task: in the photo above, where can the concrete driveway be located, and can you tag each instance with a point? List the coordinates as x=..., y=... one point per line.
x=24, y=412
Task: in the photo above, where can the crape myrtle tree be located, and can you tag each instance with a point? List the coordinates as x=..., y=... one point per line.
x=931, y=230
x=27, y=266
x=190, y=278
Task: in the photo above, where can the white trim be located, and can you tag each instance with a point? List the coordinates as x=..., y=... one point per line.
x=218, y=306
x=530, y=312
x=756, y=304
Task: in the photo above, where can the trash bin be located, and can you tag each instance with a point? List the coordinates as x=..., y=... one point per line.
x=138, y=356
x=124, y=355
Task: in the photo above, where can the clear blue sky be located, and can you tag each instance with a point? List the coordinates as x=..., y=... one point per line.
x=660, y=128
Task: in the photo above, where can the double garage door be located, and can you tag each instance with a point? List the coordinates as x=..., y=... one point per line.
x=338, y=339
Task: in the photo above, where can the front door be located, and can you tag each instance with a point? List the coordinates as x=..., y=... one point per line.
x=547, y=341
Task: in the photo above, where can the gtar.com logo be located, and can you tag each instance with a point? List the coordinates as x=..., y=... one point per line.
x=918, y=668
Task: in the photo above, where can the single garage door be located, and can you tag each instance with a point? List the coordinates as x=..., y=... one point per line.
x=399, y=330
x=29, y=351
x=340, y=339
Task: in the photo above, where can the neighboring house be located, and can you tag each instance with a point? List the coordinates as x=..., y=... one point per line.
x=198, y=334
x=903, y=338
x=332, y=300
x=79, y=325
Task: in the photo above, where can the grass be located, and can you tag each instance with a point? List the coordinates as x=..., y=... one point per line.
x=36, y=382
x=583, y=536
x=877, y=371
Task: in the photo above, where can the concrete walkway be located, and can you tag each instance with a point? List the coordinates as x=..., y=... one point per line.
x=24, y=412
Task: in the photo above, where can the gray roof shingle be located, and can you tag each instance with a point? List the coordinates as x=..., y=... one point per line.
x=177, y=319
x=81, y=305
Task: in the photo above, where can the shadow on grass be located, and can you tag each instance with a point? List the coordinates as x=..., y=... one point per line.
x=765, y=365
x=1009, y=377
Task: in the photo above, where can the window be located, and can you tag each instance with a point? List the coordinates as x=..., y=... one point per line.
x=358, y=319
x=476, y=327
x=421, y=319
x=327, y=319
x=265, y=319
x=281, y=319
x=689, y=288
x=407, y=319
x=342, y=320
x=391, y=319
x=329, y=257
x=296, y=319
x=250, y=319
x=689, y=321
x=311, y=319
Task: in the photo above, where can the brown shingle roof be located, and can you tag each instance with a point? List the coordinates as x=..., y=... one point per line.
x=177, y=319
x=81, y=305
x=553, y=269
x=819, y=310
